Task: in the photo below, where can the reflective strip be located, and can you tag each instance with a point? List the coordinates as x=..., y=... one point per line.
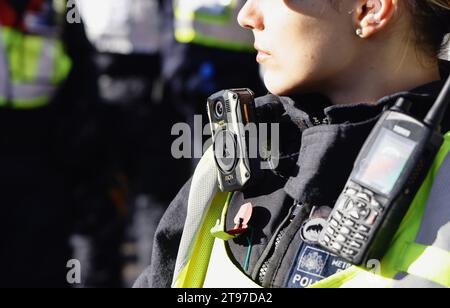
x=437, y=214
x=31, y=91
x=410, y=226
x=220, y=31
x=417, y=260
x=194, y=273
x=427, y=262
x=47, y=65
x=4, y=73
x=23, y=54
x=202, y=193
x=28, y=96
x=352, y=278
x=37, y=92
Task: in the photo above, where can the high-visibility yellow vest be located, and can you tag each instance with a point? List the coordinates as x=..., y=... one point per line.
x=211, y=23
x=31, y=68
x=210, y=265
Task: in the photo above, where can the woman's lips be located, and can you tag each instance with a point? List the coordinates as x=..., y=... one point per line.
x=263, y=55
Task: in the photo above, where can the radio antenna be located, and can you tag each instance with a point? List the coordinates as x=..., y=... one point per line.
x=436, y=115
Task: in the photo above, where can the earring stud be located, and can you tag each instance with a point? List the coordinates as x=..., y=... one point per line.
x=359, y=32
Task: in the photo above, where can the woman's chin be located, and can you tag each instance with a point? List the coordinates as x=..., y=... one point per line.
x=281, y=84
x=276, y=86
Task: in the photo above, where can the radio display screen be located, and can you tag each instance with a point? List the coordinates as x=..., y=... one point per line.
x=387, y=158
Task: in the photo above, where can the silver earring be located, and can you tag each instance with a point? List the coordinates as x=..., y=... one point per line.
x=359, y=32
x=375, y=20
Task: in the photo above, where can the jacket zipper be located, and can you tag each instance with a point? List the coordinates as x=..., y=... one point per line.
x=317, y=122
x=295, y=210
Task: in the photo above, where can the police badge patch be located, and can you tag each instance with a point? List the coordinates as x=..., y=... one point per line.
x=312, y=263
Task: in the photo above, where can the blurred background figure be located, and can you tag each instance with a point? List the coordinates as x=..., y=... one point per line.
x=135, y=124
x=37, y=81
x=86, y=111
x=206, y=52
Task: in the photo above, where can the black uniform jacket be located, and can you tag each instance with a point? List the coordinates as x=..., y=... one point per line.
x=319, y=145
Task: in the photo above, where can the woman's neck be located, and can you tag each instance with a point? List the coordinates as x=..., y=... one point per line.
x=377, y=77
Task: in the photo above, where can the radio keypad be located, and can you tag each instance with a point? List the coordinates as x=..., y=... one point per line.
x=351, y=222
x=345, y=231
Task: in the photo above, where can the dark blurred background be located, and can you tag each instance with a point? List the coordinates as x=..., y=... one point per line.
x=89, y=92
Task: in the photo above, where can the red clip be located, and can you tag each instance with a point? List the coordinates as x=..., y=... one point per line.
x=241, y=220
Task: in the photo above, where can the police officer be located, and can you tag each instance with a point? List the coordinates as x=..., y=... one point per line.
x=135, y=129
x=35, y=69
x=334, y=68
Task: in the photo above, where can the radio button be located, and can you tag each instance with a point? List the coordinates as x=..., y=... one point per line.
x=355, y=244
x=345, y=231
x=364, y=229
x=360, y=237
x=361, y=205
x=351, y=252
x=349, y=223
x=338, y=216
x=342, y=203
x=351, y=192
x=330, y=231
x=364, y=213
x=341, y=238
x=350, y=205
x=355, y=214
x=334, y=223
x=337, y=246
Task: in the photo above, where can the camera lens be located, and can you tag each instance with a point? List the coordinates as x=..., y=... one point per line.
x=219, y=110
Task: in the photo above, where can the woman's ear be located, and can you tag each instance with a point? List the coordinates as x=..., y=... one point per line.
x=372, y=16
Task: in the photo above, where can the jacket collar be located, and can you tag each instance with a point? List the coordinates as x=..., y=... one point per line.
x=327, y=152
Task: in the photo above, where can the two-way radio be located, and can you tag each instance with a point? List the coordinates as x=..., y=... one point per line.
x=386, y=177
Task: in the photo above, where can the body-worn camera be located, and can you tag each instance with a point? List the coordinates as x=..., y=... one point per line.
x=229, y=111
x=240, y=147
